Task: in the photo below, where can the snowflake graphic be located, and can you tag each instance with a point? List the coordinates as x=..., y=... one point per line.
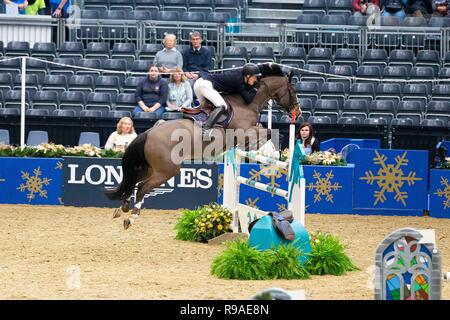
x=390, y=178
x=281, y=207
x=444, y=193
x=59, y=165
x=34, y=184
x=323, y=186
x=252, y=203
x=220, y=184
x=271, y=172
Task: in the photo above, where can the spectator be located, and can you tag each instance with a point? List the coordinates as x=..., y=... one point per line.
x=197, y=58
x=21, y=4
x=366, y=7
x=440, y=8
x=151, y=93
x=34, y=6
x=180, y=92
x=122, y=137
x=393, y=8
x=419, y=8
x=308, y=143
x=59, y=8
x=169, y=57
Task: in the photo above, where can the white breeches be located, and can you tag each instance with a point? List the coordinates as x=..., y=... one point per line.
x=204, y=90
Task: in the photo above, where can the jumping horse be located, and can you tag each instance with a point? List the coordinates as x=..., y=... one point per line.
x=148, y=160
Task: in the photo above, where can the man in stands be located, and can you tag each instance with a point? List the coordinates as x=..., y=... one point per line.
x=197, y=59
x=419, y=8
x=240, y=81
x=394, y=8
x=440, y=8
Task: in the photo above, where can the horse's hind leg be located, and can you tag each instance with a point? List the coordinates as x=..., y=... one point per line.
x=155, y=180
x=125, y=207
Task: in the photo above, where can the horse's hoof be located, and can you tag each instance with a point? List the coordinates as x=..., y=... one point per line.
x=126, y=223
x=126, y=206
x=117, y=213
x=136, y=212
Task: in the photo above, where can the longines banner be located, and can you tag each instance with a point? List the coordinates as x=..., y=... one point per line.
x=30, y=180
x=85, y=179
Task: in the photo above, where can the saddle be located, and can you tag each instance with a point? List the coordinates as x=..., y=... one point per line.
x=281, y=222
x=201, y=114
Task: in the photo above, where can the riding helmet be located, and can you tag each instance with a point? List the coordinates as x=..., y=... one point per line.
x=251, y=69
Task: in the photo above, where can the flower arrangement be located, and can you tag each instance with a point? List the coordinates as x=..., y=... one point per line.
x=324, y=158
x=51, y=150
x=445, y=164
x=239, y=261
x=204, y=223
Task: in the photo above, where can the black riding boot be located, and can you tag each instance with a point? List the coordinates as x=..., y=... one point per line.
x=213, y=117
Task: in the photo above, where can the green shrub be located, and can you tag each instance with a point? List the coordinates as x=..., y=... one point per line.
x=185, y=226
x=285, y=264
x=328, y=256
x=239, y=261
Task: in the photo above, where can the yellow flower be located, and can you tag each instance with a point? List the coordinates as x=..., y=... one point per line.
x=219, y=227
x=203, y=219
x=210, y=226
x=202, y=224
x=208, y=216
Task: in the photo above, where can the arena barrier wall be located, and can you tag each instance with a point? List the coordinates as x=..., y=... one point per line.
x=31, y=180
x=439, y=193
x=86, y=178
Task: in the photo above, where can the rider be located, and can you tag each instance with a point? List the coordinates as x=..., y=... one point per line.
x=241, y=81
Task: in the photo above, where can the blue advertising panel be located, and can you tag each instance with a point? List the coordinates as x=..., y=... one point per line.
x=390, y=179
x=439, y=193
x=328, y=188
x=30, y=180
x=85, y=180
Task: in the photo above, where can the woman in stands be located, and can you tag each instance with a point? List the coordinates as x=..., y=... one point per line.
x=180, y=91
x=308, y=143
x=151, y=93
x=169, y=57
x=122, y=137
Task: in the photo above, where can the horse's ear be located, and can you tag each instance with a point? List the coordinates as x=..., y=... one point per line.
x=290, y=75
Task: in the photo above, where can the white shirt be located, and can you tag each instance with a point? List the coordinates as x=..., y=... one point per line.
x=119, y=140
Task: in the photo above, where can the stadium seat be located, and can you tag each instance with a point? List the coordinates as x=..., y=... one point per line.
x=369, y=74
x=47, y=100
x=376, y=121
x=145, y=115
x=432, y=123
x=32, y=83
x=9, y=111
x=36, y=137
x=55, y=83
x=346, y=56
x=38, y=112
x=234, y=57
x=321, y=56
x=92, y=138
x=444, y=75
x=229, y=6
x=343, y=71
x=364, y=91
x=356, y=109
x=6, y=81
x=384, y=39
x=126, y=5
x=339, y=6
x=306, y=104
x=402, y=58
x=349, y=120
x=377, y=57
x=308, y=36
x=140, y=66
x=64, y=113
x=89, y=29
x=423, y=73
x=89, y=64
x=109, y=84
x=293, y=56
x=327, y=107
x=115, y=30
x=73, y=100
x=428, y=58
x=4, y=136
x=2, y=48
x=61, y=66
x=131, y=83
x=382, y=108
x=99, y=4
x=44, y=50
x=99, y=101
x=97, y=50
x=17, y=49
x=38, y=68
x=143, y=14
x=319, y=120
x=118, y=114
x=402, y=122
x=333, y=90
x=317, y=75
x=439, y=22
x=149, y=50
x=389, y=91
x=116, y=67
x=331, y=36
x=74, y=50
x=261, y=55
x=12, y=67
x=308, y=89
x=395, y=73
x=196, y=22
x=317, y=7
x=415, y=91
x=146, y=4
x=414, y=39
x=162, y=30
x=91, y=114
x=441, y=92
x=353, y=38
x=81, y=83
x=13, y=99
x=410, y=110
x=126, y=101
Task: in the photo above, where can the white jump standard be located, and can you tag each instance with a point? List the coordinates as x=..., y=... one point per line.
x=295, y=195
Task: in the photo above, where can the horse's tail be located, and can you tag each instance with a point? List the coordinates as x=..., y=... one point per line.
x=134, y=168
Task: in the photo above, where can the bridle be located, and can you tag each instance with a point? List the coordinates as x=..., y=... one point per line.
x=292, y=96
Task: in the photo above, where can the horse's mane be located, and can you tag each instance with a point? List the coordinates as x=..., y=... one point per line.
x=270, y=69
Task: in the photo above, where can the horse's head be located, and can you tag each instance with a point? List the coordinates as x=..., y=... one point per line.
x=282, y=90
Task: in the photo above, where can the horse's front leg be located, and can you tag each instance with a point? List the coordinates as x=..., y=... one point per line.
x=125, y=207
